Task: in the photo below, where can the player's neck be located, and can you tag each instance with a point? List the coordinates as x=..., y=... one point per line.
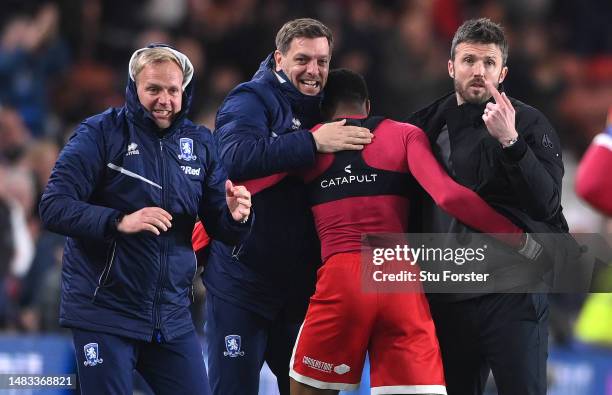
x=345, y=110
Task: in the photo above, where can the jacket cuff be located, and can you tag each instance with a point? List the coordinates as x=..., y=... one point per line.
x=313, y=142
x=110, y=229
x=515, y=152
x=236, y=225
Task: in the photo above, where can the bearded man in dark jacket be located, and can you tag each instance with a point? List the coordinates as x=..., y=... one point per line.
x=510, y=155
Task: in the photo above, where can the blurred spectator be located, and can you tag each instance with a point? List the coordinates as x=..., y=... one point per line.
x=14, y=135
x=16, y=200
x=414, y=70
x=166, y=14
x=39, y=158
x=31, y=53
x=40, y=290
x=7, y=249
x=17, y=191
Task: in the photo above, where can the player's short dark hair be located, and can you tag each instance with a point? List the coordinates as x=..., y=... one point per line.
x=303, y=27
x=343, y=86
x=481, y=31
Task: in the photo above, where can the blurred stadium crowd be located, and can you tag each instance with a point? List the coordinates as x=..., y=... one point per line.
x=62, y=61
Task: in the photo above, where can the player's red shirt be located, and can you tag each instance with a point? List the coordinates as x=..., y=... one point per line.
x=402, y=148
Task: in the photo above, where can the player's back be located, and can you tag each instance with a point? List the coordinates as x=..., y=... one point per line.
x=358, y=192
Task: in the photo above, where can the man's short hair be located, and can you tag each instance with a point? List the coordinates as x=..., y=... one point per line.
x=343, y=86
x=481, y=31
x=303, y=27
x=152, y=55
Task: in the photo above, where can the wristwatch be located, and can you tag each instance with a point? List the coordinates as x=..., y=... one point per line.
x=510, y=142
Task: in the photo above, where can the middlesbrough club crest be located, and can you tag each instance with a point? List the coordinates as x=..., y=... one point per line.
x=233, y=345
x=92, y=356
x=186, y=148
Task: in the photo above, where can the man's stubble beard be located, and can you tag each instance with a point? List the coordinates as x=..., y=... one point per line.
x=471, y=99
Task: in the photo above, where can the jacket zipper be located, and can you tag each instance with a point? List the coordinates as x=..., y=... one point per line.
x=195, y=273
x=107, y=268
x=162, y=255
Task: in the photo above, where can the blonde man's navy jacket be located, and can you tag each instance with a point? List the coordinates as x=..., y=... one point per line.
x=116, y=163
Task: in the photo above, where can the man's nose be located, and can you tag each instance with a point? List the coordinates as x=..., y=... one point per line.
x=163, y=97
x=479, y=68
x=312, y=67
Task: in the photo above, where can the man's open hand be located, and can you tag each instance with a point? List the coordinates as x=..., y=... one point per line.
x=149, y=219
x=335, y=136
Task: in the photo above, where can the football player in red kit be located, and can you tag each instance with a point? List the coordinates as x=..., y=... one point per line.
x=593, y=181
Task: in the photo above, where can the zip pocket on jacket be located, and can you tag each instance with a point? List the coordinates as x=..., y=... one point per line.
x=107, y=268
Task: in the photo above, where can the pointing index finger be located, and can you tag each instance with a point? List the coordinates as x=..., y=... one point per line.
x=507, y=99
x=494, y=92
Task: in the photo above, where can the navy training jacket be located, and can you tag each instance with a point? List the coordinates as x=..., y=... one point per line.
x=262, y=129
x=116, y=163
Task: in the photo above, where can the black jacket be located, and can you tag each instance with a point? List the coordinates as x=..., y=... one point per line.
x=523, y=181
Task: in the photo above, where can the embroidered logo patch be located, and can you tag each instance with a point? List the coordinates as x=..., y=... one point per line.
x=295, y=124
x=186, y=147
x=233, y=345
x=92, y=356
x=132, y=149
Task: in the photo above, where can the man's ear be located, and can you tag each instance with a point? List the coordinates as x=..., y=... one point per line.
x=451, y=69
x=278, y=57
x=367, y=106
x=503, y=74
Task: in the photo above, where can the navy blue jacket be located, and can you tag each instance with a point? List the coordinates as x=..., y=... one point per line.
x=262, y=129
x=116, y=163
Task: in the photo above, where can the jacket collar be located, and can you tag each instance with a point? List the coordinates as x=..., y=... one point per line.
x=433, y=117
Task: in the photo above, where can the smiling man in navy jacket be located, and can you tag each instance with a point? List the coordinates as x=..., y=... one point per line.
x=258, y=292
x=126, y=190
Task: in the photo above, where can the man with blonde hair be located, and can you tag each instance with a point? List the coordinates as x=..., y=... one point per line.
x=127, y=190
